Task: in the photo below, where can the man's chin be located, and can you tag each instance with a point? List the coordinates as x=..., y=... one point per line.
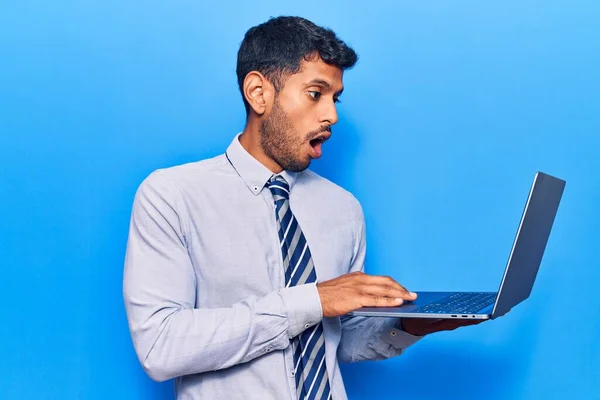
x=298, y=166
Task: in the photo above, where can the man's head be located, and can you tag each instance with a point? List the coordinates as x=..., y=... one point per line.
x=290, y=75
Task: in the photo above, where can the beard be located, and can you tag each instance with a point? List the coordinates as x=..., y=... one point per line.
x=280, y=140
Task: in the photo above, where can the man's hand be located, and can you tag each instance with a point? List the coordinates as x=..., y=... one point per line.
x=425, y=326
x=352, y=291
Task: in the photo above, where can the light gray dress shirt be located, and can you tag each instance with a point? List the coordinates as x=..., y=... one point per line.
x=204, y=280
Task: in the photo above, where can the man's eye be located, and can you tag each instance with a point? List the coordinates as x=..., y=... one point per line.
x=337, y=100
x=314, y=95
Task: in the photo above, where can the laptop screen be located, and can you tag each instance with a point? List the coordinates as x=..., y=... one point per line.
x=530, y=242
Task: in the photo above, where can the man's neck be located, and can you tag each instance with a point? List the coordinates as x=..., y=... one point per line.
x=250, y=140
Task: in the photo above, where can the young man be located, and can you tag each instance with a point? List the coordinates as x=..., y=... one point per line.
x=224, y=254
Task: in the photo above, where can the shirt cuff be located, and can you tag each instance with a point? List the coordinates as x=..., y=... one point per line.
x=392, y=341
x=303, y=307
x=400, y=339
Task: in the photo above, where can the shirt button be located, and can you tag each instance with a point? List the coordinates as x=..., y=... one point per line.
x=293, y=373
x=306, y=326
x=393, y=333
x=268, y=349
x=255, y=188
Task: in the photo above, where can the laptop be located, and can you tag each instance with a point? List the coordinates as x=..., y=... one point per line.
x=520, y=273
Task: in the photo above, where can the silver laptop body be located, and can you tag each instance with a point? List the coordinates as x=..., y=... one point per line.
x=519, y=274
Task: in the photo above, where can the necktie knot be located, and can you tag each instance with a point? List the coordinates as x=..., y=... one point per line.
x=279, y=188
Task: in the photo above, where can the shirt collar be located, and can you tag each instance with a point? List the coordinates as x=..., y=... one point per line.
x=253, y=173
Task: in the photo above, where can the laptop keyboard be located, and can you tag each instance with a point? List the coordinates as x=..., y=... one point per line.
x=459, y=303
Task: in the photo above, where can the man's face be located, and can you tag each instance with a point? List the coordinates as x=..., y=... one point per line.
x=301, y=116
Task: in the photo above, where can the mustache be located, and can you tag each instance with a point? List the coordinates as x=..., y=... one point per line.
x=315, y=133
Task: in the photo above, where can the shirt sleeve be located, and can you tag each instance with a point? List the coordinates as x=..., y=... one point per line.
x=369, y=338
x=170, y=335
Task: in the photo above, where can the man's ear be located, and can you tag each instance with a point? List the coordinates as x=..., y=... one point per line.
x=259, y=92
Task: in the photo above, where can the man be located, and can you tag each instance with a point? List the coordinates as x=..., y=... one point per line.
x=224, y=255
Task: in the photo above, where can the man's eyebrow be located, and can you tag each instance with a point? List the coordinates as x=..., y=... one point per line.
x=323, y=83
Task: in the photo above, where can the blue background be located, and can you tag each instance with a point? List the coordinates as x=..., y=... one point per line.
x=450, y=111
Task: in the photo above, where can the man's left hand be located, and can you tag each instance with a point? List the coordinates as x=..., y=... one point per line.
x=425, y=326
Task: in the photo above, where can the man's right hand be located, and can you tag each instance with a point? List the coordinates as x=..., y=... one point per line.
x=352, y=291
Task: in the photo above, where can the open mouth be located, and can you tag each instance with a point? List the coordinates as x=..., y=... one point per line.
x=317, y=141
x=315, y=144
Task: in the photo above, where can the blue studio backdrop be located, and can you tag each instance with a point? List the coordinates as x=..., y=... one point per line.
x=449, y=113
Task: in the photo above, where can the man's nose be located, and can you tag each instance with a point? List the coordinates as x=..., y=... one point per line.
x=330, y=115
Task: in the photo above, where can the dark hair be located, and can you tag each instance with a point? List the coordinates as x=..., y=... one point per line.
x=276, y=48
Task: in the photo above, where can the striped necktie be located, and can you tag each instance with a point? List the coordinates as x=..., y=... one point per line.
x=309, y=346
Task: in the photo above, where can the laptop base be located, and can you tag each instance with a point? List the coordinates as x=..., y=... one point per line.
x=414, y=309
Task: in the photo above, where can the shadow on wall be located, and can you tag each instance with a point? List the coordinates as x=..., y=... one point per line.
x=433, y=373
